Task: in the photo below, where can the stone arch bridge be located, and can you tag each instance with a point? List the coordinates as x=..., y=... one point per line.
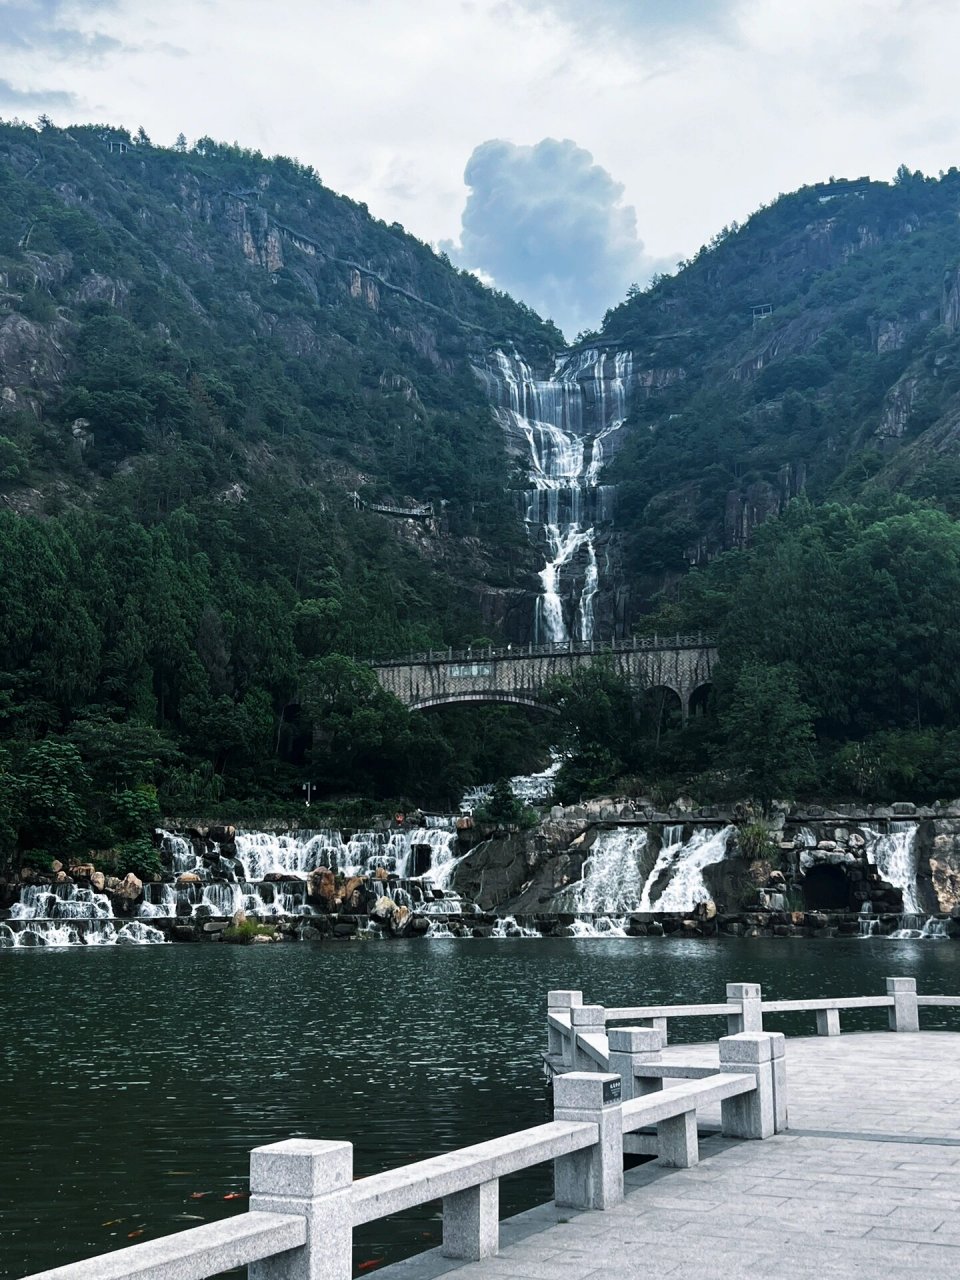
x=518, y=673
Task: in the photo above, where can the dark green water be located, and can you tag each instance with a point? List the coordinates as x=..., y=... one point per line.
x=132, y=1078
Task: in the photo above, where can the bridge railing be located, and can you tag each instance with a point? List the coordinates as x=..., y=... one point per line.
x=576, y=1033
x=487, y=653
x=305, y=1203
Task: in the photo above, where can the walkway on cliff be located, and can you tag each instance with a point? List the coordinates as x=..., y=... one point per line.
x=865, y=1182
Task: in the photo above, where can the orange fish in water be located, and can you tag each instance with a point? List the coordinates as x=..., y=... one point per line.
x=370, y=1264
x=198, y=1195
x=236, y=1195
x=132, y=1235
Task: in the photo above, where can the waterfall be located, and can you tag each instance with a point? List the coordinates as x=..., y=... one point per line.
x=507, y=927
x=895, y=857
x=561, y=424
x=868, y=925
x=65, y=915
x=612, y=878
x=294, y=856
x=916, y=925
x=683, y=865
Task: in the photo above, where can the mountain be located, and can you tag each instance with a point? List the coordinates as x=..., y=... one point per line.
x=250, y=434
x=816, y=350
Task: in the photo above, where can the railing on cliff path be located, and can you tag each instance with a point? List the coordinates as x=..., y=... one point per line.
x=608, y=1087
x=487, y=653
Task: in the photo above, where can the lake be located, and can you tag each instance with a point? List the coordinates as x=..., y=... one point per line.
x=135, y=1080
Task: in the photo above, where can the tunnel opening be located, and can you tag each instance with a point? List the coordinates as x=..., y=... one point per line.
x=826, y=888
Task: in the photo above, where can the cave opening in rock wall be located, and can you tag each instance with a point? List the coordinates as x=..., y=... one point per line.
x=826, y=888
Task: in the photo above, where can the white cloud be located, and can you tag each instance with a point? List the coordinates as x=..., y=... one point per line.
x=702, y=109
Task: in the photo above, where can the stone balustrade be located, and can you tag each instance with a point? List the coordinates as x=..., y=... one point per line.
x=744, y=1009
x=305, y=1202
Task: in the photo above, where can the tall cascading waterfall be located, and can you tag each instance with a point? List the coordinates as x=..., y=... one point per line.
x=562, y=426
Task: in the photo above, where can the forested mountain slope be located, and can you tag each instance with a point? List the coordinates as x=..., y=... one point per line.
x=210, y=367
x=816, y=348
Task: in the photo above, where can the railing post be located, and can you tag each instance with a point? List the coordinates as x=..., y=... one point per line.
x=750, y=1017
x=828, y=1022
x=312, y=1179
x=561, y=1002
x=904, y=1013
x=750, y=1115
x=778, y=1065
x=678, y=1146
x=593, y=1178
x=471, y=1222
x=630, y=1049
x=588, y=1019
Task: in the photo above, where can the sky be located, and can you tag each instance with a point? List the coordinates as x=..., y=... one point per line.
x=562, y=149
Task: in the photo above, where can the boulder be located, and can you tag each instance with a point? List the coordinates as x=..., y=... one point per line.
x=187, y=877
x=214, y=926
x=85, y=869
x=98, y=882
x=131, y=888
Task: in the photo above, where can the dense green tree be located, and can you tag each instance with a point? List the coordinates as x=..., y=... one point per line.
x=767, y=733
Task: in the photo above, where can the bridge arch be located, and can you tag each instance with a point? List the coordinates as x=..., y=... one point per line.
x=481, y=696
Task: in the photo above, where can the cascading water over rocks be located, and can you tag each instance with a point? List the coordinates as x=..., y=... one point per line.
x=562, y=428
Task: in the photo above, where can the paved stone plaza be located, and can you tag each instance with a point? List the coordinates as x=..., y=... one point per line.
x=865, y=1183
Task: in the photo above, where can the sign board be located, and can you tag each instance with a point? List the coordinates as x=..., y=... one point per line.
x=468, y=670
x=611, y=1091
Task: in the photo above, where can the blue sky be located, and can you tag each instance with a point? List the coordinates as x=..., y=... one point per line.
x=562, y=148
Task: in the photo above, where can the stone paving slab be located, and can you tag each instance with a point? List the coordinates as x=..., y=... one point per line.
x=865, y=1183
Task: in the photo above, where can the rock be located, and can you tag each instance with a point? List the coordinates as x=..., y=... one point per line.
x=904, y=807
x=828, y=846
x=419, y=925
x=189, y=877
x=98, y=882
x=131, y=887
x=382, y=910
x=706, y=910
x=214, y=926
x=945, y=879
x=309, y=934
x=345, y=929
x=85, y=869
x=276, y=877
x=56, y=866
x=183, y=933
x=239, y=919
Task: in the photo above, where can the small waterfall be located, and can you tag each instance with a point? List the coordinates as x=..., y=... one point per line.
x=868, y=925
x=83, y=932
x=507, y=927
x=915, y=925
x=612, y=878
x=529, y=788
x=599, y=927
x=683, y=865
x=895, y=857
x=181, y=853
x=563, y=423
x=61, y=902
